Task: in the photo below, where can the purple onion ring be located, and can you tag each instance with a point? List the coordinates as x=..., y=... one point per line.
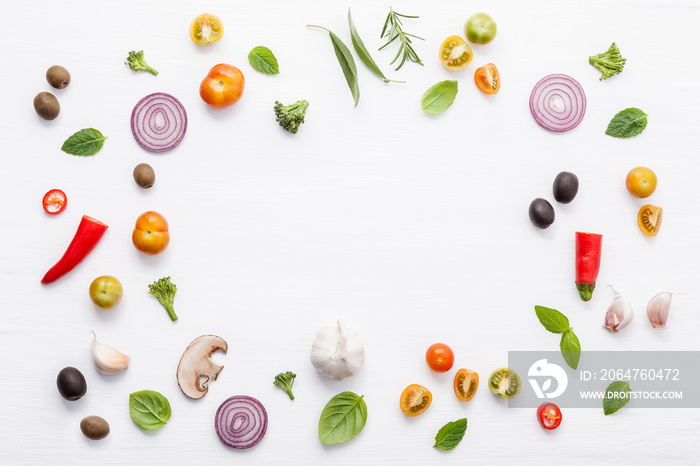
x=159, y=122
x=241, y=422
x=558, y=102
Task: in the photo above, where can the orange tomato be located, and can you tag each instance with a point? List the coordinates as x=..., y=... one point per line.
x=415, y=399
x=206, y=28
x=151, y=233
x=223, y=86
x=440, y=357
x=465, y=384
x=649, y=219
x=487, y=79
x=455, y=54
x=641, y=182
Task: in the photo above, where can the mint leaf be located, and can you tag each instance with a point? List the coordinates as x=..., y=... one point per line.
x=263, y=60
x=342, y=419
x=450, y=435
x=570, y=348
x=439, y=97
x=149, y=410
x=628, y=123
x=85, y=142
x=552, y=320
x=619, y=395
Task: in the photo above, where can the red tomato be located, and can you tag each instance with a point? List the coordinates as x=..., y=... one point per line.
x=440, y=357
x=54, y=202
x=151, y=233
x=487, y=79
x=549, y=415
x=223, y=86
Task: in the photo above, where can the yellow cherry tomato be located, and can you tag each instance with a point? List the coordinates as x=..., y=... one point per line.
x=455, y=54
x=649, y=219
x=206, y=28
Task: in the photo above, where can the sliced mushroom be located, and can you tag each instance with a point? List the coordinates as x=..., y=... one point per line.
x=196, y=368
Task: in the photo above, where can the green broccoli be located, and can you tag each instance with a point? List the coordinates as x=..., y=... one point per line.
x=137, y=63
x=285, y=380
x=164, y=290
x=609, y=62
x=291, y=117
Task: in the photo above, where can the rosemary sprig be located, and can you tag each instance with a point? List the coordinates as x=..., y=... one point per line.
x=395, y=31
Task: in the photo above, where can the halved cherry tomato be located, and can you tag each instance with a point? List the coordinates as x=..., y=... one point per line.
x=487, y=79
x=505, y=383
x=415, y=399
x=223, y=86
x=465, y=384
x=440, y=357
x=151, y=233
x=549, y=415
x=455, y=53
x=649, y=219
x=54, y=202
x=206, y=28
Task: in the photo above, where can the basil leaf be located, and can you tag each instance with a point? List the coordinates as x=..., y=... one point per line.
x=450, y=435
x=552, y=320
x=342, y=419
x=363, y=53
x=627, y=123
x=347, y=63
x=619, y=397
x=438, y=98
x=570, y=348
x=87, y=141
x=149, y=410
x=263, y=60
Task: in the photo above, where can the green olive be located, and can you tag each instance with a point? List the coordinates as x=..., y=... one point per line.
x=144, y=175
x=94, y=427
x=46, y=105
x=58, y=77
x=505, y=383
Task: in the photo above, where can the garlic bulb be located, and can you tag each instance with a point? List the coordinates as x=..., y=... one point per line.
x=619, y=314
x=337, y=352
x=657, y=309
x=108, y=360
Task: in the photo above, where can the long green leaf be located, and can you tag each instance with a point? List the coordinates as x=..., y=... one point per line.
x=570, y=348
x=347, y=63
x=552, y=320
x=363, y=53
x=450, y=435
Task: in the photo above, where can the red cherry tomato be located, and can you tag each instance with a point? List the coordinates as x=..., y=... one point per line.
x=223, y=86
x=440, y=357
x=549, y=416
x=54, y=202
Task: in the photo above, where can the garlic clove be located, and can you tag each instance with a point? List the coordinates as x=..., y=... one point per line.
x=107, y=359
x=619, y=314
x=337, y=352
x=657, y=309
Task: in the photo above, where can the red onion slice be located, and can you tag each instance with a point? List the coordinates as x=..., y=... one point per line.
x=159, y=122
x=241, y=422
x=558, y=102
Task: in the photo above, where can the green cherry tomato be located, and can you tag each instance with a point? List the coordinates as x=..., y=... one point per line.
x=106, y=292
x=505, y=383
x=480, y=29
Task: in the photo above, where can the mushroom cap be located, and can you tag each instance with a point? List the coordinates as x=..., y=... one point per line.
x=196, y=363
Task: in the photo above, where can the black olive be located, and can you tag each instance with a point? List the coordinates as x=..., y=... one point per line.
x=541, y=213
x=565, y=187
x=71, y=384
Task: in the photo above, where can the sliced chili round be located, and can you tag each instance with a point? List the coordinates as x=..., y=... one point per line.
x=54, y=202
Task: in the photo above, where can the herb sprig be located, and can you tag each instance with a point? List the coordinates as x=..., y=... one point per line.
x=395, y=31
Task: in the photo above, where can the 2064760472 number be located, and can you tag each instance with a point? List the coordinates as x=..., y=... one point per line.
x=639, y=374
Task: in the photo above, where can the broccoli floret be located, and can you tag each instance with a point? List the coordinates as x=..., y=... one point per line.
x=609, y=62
x=290, y=117
x=137, y=63
x=285, y=380
x=164, y=290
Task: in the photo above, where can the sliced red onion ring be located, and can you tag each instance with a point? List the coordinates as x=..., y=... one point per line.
x=159, y=122
x=241, y=421
x=558, y=102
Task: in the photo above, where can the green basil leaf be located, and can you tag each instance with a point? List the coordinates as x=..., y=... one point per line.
x=263, y=60
x=347, y=63
x=627, y=123
x=363, y=53
x=450, y=435
x=570, y=348
x=87, y=141
x=149, y=410
x=342, y=419
x=619, y=393
x=438, y=98
x=552, y=320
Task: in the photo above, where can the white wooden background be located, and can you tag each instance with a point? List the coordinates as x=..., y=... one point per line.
x=412, y=228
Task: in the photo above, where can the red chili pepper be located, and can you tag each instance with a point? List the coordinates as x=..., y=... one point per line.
x=89, y=233
x=588, y=249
